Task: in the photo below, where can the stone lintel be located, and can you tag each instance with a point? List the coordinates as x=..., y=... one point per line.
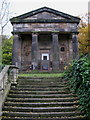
x=37, y=32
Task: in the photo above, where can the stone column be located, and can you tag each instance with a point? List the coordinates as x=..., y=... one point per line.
x=70, y=48
x=75, y=45
x=55, y=52
x=35, y=51
x=16, y=51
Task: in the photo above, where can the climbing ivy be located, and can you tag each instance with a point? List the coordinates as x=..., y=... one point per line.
x=78, y=76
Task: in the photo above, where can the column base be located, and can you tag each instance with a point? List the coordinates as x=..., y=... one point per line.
x=34, y=66
x=55, y=66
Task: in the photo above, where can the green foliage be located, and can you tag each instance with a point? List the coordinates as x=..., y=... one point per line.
x=83, y=40
x=7, y=50
x=78, y=76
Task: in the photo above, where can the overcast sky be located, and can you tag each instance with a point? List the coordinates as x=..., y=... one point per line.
x=76, y=8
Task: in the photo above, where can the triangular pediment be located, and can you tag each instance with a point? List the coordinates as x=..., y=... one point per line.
x=44, y=15
x=47, y=14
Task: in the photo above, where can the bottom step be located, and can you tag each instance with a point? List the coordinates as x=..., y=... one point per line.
x=27, y=118
x=42, y=115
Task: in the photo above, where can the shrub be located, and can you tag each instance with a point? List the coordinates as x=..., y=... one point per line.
x=78, y=76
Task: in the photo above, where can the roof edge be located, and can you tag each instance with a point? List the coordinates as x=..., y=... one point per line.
x=31, y=13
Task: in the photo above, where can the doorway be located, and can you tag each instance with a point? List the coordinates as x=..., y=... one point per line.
x=45, y=61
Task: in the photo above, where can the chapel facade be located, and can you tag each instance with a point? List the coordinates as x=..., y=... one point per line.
x=44, y=39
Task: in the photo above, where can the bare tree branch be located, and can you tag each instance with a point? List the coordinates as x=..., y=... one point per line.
x=4, y=19
x=4, y=14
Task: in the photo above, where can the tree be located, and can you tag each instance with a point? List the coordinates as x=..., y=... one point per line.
x=4, y=18
x=83, y=40
x=83, y=37
x=7, y=50
x=89, y=25
x=89, y=36
x=4, y=14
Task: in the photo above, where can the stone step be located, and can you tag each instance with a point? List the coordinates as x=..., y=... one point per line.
x=43, y=86
x=40, y=109
x=40, y=85
x=41, y=114
x=39, y=96
x=54, y=118
x=38, y=92
x=43, y=104
x=42, y=99
x=41, y=89
x=41, y=80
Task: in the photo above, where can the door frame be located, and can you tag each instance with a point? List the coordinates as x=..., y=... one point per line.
x=45, y=60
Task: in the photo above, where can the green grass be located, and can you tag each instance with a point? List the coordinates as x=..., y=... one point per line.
x=41, y=75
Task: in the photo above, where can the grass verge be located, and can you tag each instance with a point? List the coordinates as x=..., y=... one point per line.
x=38, y=75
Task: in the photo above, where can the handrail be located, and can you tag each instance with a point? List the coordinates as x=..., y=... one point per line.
x=8, y=76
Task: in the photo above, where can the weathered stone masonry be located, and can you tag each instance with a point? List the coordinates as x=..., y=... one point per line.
x=44, y=39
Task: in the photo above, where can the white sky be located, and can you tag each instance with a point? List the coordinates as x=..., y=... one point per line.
x=75, y=8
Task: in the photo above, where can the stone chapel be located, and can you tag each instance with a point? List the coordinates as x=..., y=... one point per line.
x=44, y=39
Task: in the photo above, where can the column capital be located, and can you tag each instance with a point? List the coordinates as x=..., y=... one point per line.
x=74, y=37
x=17, y=36
x=55, y=33
x=74, y=33
x=15, y=33
x=35, y=33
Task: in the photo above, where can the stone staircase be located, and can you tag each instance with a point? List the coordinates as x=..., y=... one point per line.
x=41, y=99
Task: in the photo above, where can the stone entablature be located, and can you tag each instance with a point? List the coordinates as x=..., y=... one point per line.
x=45, y=27
x=44, y=39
